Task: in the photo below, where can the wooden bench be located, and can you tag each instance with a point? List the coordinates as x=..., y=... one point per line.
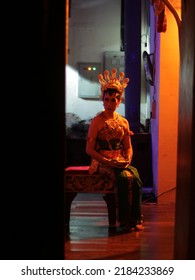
x=78, y=180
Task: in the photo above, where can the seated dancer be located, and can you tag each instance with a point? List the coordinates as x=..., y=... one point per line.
x=109, y=145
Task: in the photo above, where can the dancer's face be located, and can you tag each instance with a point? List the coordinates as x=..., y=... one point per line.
x=111, y=102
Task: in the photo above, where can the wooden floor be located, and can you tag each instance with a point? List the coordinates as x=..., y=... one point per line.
x=89, y=237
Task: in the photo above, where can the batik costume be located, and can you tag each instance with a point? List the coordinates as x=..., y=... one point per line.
x=109, y=143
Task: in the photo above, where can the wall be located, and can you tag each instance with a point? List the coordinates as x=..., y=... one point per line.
x=94, y=27
x=165, y=124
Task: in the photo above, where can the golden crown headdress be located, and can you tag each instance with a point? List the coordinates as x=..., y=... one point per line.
x=112, y=81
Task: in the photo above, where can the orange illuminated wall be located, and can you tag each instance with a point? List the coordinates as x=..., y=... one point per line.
x=168, y=109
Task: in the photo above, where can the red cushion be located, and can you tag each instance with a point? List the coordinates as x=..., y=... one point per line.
x=77, y=170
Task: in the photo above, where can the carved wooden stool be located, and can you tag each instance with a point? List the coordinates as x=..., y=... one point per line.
x=78, y=180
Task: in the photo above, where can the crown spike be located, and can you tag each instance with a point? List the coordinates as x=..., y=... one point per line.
x=113, y=75
x=106, y=75
x=121, y=76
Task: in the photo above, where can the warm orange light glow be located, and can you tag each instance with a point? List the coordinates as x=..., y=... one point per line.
x=168, y=102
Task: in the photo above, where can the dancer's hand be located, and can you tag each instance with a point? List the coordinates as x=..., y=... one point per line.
x=119, y=164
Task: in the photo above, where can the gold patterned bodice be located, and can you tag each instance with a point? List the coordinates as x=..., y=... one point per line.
x=111, y=135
